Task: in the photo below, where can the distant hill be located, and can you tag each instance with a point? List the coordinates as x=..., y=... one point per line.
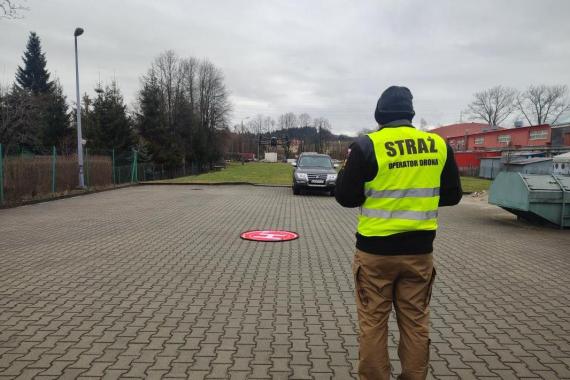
x=309, y=135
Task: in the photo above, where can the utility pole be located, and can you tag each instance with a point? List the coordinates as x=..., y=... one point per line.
x=77, y=33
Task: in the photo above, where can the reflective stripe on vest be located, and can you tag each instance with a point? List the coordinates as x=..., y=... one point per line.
x=404, y=195
x=411, y=215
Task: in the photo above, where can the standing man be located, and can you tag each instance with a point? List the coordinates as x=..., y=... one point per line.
x=398, y=176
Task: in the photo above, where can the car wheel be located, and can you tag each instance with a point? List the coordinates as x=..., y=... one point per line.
x=331, y=193
x=296, y=190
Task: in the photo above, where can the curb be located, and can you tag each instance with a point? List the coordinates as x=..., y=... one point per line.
x=66, y=196
x=210, y=184
x=36, y=201
x=230, y=183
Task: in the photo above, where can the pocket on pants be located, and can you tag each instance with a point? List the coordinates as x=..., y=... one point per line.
x=430, y=288
x=359, y=290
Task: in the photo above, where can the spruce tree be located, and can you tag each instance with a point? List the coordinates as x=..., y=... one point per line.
x=111, y=125
x=151, y=124
x=48, y=119
x=56, y=128
x=34, y=76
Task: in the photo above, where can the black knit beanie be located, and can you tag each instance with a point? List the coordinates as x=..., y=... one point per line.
x=395, y=103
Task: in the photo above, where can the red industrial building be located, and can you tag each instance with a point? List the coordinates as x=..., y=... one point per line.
x=473, y=141
x=470, y=161
x=532, y=136
x=459, y=130
x=456, y=134
x=478, y=136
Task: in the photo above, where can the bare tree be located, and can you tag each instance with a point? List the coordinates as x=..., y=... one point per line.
x=268, y=124
x=166, y=68
x=213, y=97
x=304, y=120
x=493, y=105
x=322, y=125
x=213, y=111
x=11, y=9
x=543, y=104
x=288, y=120
x=256, y=124
x=18, y=118
x=187, y=108
x=188, y=71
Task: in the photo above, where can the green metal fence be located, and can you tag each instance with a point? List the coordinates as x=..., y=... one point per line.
x=1, y=176
x=28, y=174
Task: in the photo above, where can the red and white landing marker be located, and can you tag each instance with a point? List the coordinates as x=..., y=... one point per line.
x=269, y=235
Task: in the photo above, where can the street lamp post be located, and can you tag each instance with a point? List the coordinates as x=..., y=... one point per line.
x=241, y=137
x=77, y=33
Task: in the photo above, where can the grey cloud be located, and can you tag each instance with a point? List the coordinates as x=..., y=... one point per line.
x=327, y=58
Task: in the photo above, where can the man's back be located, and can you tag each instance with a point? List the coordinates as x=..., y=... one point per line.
x=398, y=176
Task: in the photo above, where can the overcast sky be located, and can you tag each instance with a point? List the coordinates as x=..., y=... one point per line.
x=327, y=58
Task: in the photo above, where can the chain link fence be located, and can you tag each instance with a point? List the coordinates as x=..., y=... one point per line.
x=28, y=174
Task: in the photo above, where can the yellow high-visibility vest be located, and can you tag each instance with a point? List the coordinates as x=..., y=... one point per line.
x=404, y=195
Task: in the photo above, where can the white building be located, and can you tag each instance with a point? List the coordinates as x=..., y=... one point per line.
x=561, y=164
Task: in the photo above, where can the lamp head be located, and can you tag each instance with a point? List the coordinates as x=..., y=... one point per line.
x=78, y=32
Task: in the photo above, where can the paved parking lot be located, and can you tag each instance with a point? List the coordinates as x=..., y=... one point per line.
x=154, y=282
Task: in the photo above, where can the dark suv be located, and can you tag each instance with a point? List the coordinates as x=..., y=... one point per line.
x=314, y=171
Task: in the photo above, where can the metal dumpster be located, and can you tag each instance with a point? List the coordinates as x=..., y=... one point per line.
x=533, y=197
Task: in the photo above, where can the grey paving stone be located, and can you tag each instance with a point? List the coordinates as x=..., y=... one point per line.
x=155, y=282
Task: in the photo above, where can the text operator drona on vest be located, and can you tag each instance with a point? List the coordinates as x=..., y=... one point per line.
x=410, y=147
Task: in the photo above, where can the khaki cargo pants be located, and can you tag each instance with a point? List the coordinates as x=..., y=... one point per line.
x=405, y=281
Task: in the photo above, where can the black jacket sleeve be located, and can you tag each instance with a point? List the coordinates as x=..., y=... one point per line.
x=360, y=167
x=450, y=191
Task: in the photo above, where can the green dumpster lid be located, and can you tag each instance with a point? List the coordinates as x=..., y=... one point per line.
x=564, y=181
x=541, y=182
